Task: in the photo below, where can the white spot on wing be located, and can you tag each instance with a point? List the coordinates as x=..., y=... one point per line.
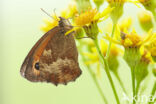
x=47, y=53
x=56, y=67
x=22, y=71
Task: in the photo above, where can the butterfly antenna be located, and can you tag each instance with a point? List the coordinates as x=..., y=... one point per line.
x=48, y=14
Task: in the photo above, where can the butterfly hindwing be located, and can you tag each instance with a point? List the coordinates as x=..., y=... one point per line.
x=59, y=59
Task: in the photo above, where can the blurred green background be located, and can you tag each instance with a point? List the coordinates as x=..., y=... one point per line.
x=19, y=26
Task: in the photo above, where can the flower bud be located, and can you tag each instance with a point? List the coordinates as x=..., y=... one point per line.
x=118, y=11
x=98, y=3
x=145, y=19
x=141, y=69
x=83, y=5
x=132, y=56
x=91, y=30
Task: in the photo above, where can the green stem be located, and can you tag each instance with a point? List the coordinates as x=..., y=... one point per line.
x=95, y=81
x=153, y=92
x=154, y=89
x=97, y=85
x=137, y=89
x=154, y=19
x=133, y=83
x=105, y=64
x=120, y=82
x=154, y=14
x=110, y=43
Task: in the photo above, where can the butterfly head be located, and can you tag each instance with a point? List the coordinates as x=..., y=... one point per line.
x=64, y=23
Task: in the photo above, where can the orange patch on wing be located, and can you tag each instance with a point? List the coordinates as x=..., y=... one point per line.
x=42, y=46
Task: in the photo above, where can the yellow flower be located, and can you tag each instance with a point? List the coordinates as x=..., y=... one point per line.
x=91, y=30
x=145, y=19
x=70, y=11
x=132, y=42
x=94, y=58
x=145, y=16
x=66, y=13
x=115, y=51
x=125, y=24
x=149, y=5
x=146, y=56
x=147, y=2
x=116, y=1
x=49, y=25
x=151, y=45
x=118, y=11
x=88, y=20
x=91, y=15
x=83, y=5
x=129, y=40
x=86, y=17
x=141, y=68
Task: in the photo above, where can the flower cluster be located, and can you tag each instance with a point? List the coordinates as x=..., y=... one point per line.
x=105, y=47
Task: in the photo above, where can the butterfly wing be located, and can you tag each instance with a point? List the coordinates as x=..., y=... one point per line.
x=60, y=59
x=54, y=58
x=27, y=69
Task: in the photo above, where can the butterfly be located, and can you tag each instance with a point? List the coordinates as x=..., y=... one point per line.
x=54, y=58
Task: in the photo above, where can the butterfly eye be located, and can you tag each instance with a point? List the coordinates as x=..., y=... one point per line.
x=37, y=67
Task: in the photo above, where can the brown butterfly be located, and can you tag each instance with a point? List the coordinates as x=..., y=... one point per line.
x=54, y=58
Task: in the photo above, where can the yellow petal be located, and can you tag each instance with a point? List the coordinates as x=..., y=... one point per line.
x=142, y=48
x=104, y=13
x=107, y=37
x=128, y=42
x=73, y=29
